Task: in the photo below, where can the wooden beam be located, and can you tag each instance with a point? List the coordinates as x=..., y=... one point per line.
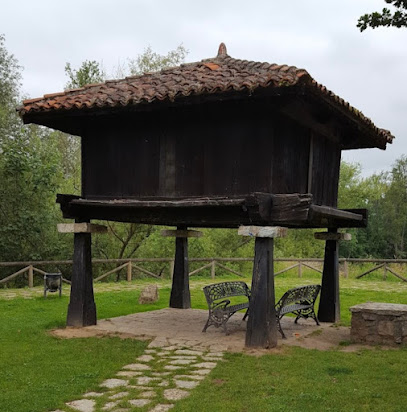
x=83, y=227
x=332, y=236
x=82, y=308
x=262, y=231
x=180, y=295
x=262, y=325
x=329, y=307
x=181, y=233
x=260, y=209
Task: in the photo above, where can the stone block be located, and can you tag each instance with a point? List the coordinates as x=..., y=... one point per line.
x=149, y=294
x=385, y=328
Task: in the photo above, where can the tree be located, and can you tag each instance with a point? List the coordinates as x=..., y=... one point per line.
x=150, y=61
x=386, y=18
x=89, y=72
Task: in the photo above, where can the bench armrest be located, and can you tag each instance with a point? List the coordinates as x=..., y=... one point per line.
x=220, y=305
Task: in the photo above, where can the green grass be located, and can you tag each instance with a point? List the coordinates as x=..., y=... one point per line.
x=39, y=372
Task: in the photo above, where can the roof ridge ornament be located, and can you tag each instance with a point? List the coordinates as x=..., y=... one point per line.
x=222, y=51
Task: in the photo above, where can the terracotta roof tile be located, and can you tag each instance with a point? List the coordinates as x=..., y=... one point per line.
x=216, y=75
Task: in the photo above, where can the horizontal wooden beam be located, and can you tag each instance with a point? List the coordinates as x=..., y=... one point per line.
x=332, y=236
x=256, y=209
x=81, y=228
x=181, y=233
x=262, y=231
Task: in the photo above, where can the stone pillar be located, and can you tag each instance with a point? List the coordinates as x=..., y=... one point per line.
x=180, y=296
x=82, y=308
x=262, y=323
x=329, y=304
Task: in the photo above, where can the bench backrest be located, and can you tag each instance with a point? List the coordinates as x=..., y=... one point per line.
x=304, y=294
x=224, y=290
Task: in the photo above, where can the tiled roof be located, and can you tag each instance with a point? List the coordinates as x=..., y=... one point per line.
x=211, y=76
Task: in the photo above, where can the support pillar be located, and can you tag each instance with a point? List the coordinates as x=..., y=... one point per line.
x=180, y=296
x=262, y=323
x=329, y=304
x=82, y=308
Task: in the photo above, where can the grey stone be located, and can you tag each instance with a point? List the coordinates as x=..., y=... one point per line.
x=82, y=405
x=164, y=383
x=188, y=352
x=130, y=374
x=114, y=383
x=150, y=351
x=145, y=358
x=161, y=373
x=157, y=343
x=182, y=361
x=201, y=372
x=175, y=394
x=119, y=395
x=194, y=377
x=149, y=294
x=110, y=405
x=93, y=394
x=139, y=403
x=144, y=380
x=161, y=407
x=137, y=367
x=186, y=384
x=207, y=365
x=172, y=367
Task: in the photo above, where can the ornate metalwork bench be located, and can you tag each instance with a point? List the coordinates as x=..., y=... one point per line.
x=299, y=301
x=220, y=309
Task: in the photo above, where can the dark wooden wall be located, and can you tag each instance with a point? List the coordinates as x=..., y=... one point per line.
x=218, y=149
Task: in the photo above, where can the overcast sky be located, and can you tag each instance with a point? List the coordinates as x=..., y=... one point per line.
x=367, y=69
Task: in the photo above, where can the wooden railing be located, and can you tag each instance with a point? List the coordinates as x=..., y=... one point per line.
x=133, y=265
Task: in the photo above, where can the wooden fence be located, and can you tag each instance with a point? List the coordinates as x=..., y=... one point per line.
x=132, y=266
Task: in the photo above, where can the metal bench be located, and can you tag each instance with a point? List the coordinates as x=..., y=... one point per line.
x=299, y=301
x=220, y=309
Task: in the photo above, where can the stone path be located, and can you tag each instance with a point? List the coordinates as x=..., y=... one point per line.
x=166, y=372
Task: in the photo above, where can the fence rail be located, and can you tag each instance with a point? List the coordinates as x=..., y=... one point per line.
x=132, y=266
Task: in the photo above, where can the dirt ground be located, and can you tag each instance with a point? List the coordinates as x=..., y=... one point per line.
x=186, y=325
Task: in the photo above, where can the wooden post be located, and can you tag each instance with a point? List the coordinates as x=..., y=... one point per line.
x=213, y=268
x=180, y=296
x=345, y=269
x=30, y=276
x=300, y=269
x=82, y=308
x=329, y=308
x=262, y=324
x=129, y=273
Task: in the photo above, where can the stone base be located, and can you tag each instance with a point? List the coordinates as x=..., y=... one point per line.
x=379, y=323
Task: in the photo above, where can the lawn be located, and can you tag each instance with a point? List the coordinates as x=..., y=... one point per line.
x=39, y=372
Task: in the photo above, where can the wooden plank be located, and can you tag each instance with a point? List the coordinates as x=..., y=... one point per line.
x=181, y=233
x=262, y=325
x=105, y=275
x=370, y=271
x=82, y=308
x=180, y=295
x=329, y=308
x=229, y=270
x=262, y=231
x=81, y=228
x=332, y=236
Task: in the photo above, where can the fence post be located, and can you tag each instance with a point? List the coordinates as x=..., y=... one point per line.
x=129, y=274
x=345, y=269
x=30, y=277
x=172, y=262
x=385, y=273
x=213, y=269
x=299, y=269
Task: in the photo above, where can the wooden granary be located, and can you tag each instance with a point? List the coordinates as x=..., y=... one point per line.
x=217, y=143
